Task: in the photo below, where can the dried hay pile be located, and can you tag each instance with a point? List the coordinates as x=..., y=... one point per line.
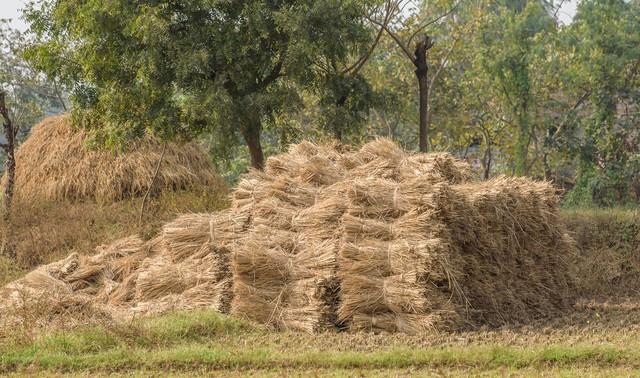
x=55, y=164
x=185, y=266
x=326, y=237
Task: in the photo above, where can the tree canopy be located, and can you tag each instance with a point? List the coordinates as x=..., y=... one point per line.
x=504, y=84
x=179, y=68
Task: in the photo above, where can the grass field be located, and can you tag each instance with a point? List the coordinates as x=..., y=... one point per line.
x=596, y=340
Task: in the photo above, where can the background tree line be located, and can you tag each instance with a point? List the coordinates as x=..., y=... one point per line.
x=501, y=83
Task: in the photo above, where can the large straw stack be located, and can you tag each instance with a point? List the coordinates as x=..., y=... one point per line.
x=382, y=239
x=326, y=238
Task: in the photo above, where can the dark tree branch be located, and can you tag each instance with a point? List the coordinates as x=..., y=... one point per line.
x=395, y=37
x=429, y=23
x=389, y=12
x=355, y=68
x=273, y=75
x=567, y=117
x=555, y=13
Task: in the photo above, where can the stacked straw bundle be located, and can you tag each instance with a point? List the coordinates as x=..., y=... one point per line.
x=456, y=256
x=285, y=269
x=55, y=164
x=327, y=237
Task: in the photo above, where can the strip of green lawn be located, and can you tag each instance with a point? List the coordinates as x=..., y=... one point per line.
x=189, y=341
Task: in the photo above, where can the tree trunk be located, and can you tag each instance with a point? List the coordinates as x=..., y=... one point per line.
x=423, y=86
x=10, y=163
x=337, y=127
x=487, y=160
x=252, y=137
x=337, y=134
x=422, y=69
x=522, y=144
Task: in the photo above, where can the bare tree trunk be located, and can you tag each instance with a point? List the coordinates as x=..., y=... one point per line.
x=337, y=128
x=487, y=158
x=59, y=95
x=523, y=139
x=423, y=86
x=547, y=169
x=252, y=137
x=9, y=149
x=422, y=70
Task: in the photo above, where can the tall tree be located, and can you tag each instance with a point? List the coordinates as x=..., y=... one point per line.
x=176, y=68
x=509, y=40
x=604, y=42
x=415, y=48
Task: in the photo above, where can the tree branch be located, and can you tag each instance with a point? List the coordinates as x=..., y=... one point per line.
x=153, y=180
x=421, y=28
x=355, y=68
x=555, y=13
x=442, y=64
x=565, y=121
x=395, y=37
x=275, y=72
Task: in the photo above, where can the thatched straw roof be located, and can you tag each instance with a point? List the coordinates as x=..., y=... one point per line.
x=54, y=163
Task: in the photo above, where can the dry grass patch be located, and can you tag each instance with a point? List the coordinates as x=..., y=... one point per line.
x=607, y=262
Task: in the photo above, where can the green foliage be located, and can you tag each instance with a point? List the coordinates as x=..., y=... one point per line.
x=509, y=50
x=608, y=60
x=344, y=101
x=178, y=69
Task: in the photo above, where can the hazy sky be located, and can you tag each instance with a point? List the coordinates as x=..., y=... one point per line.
x=10, y=9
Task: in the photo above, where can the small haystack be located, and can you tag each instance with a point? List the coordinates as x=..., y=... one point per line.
x=55, y=164
x=326, y=238
x=184, y=267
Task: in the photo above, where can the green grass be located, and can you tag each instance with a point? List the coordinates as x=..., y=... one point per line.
x=204, y=341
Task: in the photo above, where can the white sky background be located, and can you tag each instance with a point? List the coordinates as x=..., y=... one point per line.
x=11, y=9
x=566, y=12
